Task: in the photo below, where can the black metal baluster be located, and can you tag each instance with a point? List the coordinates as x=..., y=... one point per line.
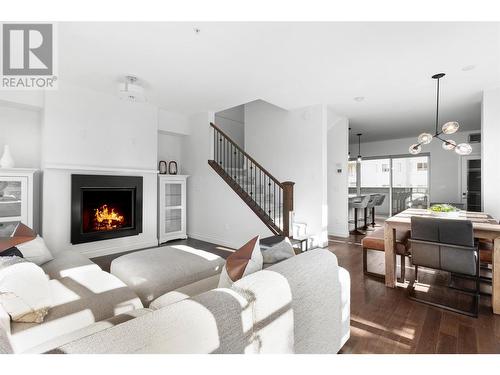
x=274, y=202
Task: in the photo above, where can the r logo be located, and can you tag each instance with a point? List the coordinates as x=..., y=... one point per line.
x=27, y=49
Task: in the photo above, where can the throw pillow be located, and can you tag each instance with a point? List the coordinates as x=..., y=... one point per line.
x=24, y=290
x=36, y=251
x=18, y=234
x=12, y=252
x=31, y=246
x=246, y=260
x=278, y=252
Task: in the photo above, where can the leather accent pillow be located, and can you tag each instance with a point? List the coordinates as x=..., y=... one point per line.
x=278, y=252
x=244, y=261
x=31, y=246
x=20, y=234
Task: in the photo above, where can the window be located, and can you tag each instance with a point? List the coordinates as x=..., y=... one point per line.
x=351, y=171
x=422, y=166
x=385, y=168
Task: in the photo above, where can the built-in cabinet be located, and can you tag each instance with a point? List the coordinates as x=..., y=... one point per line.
x=20, y=197
x=172, y=207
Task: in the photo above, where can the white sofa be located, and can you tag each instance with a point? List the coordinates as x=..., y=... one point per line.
x=300, y=305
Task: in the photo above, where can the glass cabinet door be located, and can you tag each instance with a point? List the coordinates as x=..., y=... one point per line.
x=173, y=207
x=13, y=199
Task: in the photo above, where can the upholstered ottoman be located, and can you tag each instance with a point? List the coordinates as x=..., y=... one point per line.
x=154, y=272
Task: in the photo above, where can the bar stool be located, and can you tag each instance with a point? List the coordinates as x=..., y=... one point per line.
x=378, y=203
x=371, y=206
x=358, y=203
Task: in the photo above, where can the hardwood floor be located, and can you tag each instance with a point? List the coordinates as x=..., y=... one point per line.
x=384, y=320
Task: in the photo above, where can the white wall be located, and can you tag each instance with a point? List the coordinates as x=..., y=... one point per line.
x=215, y=213
x=172, y=123
x=20, y=128
x=170, y=148
x=292, y=145
x=338, y=144
x=445, y=169
x=93, y=133
x=491, y=152
x=232, y=122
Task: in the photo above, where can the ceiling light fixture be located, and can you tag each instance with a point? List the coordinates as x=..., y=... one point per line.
x=359, y=98
x=450, y=127
x=131, y=90
x=360, y=158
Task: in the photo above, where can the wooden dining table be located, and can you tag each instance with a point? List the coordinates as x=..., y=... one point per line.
x=485, y=227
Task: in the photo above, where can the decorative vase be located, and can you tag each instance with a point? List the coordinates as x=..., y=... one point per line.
x=172, y=167
x=162, y=167
x=6, y=161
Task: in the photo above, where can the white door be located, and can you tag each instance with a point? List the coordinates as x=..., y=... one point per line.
x=471, y=182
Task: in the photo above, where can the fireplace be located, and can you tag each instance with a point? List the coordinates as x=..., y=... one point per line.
x=105, y=207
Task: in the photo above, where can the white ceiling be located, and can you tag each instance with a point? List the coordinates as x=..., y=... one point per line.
x=295, y=64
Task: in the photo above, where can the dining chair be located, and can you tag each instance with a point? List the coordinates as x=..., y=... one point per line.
x=375, y=241
x=445, y=245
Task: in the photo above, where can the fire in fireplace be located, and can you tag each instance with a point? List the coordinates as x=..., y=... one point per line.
x=106, y=218
x=105, y=207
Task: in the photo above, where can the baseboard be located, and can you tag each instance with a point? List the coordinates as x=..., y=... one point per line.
x=339, y=234
x=213, y=240
x=119, y=249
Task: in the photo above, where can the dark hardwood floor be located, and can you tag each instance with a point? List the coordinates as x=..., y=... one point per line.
x=384, y=320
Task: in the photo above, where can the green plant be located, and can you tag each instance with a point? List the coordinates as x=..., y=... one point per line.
x=443, y=208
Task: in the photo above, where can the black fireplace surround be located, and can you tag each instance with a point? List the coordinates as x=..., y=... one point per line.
x=105, y=207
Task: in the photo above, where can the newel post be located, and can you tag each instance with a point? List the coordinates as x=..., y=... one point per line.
x=287, y=207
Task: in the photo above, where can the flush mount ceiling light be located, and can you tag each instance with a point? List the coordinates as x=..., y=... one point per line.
x=131, y=90
x=359, y=98
x=448, y=128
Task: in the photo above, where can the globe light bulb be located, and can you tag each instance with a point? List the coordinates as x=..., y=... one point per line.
x=449, y=144
x=425, y=138
x=360, y=158
x=450, y=127
x=463, y=149
x=415, y=149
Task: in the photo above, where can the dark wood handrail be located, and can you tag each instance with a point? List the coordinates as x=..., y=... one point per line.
x=246, y=155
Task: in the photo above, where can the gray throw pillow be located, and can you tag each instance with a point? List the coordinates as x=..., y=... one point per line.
x=276, y=253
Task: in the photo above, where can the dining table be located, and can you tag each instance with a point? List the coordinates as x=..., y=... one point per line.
x=484, y=226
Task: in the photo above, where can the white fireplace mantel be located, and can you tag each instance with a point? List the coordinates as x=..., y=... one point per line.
x=97, y=169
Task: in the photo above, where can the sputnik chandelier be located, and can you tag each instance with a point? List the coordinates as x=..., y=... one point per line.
x=448, y=128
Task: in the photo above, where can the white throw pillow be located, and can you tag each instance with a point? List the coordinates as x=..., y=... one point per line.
x=278, y=252
x=35, y=251
x=244, y=261
x=24, y=290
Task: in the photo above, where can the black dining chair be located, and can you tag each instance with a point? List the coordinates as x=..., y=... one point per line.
x=446, y=245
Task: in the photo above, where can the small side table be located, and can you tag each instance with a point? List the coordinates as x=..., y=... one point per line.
x=302, y=243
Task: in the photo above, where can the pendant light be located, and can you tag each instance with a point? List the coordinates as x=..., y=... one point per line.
x=450, y=127
x=349, y=151
x=359, y=147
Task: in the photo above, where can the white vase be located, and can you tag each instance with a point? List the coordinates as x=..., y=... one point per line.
x=6, y=161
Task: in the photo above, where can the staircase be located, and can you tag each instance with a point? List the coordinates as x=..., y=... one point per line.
x=270, y=199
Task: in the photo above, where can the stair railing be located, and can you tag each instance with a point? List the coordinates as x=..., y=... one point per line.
x=269, y=198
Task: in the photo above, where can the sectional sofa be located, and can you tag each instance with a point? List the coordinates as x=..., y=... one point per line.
x=300, y=305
